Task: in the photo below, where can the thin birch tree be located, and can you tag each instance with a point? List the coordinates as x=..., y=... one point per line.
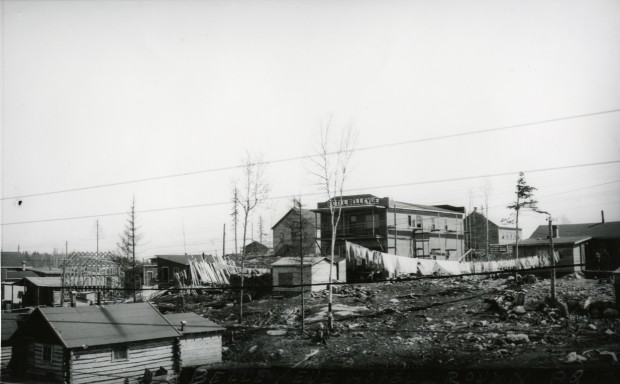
x=331, y=170
x=253, y=191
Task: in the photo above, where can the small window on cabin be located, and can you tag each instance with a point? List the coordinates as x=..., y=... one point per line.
x=120, y=353
x=285, y=278
x=445, y=224
x=409, y=220
x=48, y=353
x=433, y=227
x=418, y=221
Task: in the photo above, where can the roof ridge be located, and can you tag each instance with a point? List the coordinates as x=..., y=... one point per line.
x=164, y=317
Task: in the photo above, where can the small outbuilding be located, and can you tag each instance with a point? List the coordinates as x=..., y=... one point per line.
x=287, y=271
x=201, y=342
x=41, y=291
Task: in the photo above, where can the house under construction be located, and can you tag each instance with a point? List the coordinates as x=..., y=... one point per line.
x=92, y=272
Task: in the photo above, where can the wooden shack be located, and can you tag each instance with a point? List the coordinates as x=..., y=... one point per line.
x=40, y=290
x=95, y=344
x=287, y=271
x=201, y=342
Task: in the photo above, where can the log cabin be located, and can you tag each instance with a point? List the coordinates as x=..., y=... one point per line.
x=201, y=342
x=95, y=344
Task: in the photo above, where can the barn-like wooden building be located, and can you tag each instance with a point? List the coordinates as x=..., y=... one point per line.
x=201, y=342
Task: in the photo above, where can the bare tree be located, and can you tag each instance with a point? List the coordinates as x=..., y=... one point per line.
x=253, y=191
x=129, y=239
x=331, y=166
x=235, y=213
x=525, y=200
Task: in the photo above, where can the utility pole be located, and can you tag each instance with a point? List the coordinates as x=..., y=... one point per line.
x=301, y=255
x=224, y=242
x=97, y=236
x=551, y=253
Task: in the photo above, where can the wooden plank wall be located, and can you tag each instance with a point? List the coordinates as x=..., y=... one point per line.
x=49, y=370
x=200, y=350
x=6, y=356
x=95, y=365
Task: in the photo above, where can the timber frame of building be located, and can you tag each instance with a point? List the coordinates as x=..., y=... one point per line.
x=92, y=271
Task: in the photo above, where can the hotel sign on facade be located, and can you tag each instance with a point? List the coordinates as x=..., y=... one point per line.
x=337, y=202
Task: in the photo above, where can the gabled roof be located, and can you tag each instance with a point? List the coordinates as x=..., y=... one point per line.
x=295, y=261
x=10, y=323
x=179, y=259
x=594, y=230
x=573, y=240
x=420, y=207
x=47, y=271
x=305, y=213
x=17, y=275
x=194, y=323
x=13, y=259
x=48, y=281
x=483, y=217
x=111, y=324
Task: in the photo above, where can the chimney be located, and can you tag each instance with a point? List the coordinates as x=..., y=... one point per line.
x=23, y=265
x=183, y=322
x=73, y=298
x=556, y=231
x=603, y=217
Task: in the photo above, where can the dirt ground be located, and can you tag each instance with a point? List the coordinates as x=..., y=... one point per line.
x=473, y=322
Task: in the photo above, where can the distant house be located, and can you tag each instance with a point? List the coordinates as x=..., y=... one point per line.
x=255, y=248
x=569, y=250
x=287, y=271
x=201, y=342
x=500, y=237
x=11, y=293
x=40, y=291
x=604, y=239
x=286, y=233
x=95, y=344
x=168, y=265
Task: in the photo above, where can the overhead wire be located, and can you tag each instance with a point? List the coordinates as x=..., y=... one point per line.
x=295, y=158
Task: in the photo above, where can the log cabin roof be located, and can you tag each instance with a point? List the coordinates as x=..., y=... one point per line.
x=608, y=230
x=48, y=281
x=194, y=323
x=110, y=324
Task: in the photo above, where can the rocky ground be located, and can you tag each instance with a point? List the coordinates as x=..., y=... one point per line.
x=476, y=322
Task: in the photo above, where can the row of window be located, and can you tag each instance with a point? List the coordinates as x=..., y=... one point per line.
x=118, y=353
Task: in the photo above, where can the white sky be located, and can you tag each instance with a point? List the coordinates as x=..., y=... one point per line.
x=99, y=92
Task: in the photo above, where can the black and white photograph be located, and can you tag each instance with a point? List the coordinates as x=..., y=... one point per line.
x=310, y=191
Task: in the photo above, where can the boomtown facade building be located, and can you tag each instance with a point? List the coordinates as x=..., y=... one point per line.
x=386, y=225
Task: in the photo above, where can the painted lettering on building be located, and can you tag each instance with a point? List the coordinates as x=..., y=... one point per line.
x=355, y=201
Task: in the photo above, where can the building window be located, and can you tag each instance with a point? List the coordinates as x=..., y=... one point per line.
x=433, y=227
x=445, y=224
x=149, y=277
x=48, y=353
x=120, y=353
x=285, y=278
x=353, y=224
x=409, y=219
x=418, y=221
x=164, y=274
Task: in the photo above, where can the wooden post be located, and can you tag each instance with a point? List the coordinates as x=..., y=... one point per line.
x=301, y=255
x=551, y=253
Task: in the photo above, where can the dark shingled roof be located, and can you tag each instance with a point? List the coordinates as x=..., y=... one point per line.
x=594, y=230
x=194, y=323
x=17, y=275
x=10, y=323
x=111, y=324
x=556, y=241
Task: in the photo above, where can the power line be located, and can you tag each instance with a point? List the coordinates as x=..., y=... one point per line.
x=316, y=193
x=295, y=158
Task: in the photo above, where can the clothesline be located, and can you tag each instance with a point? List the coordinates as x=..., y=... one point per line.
x=393, y=265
